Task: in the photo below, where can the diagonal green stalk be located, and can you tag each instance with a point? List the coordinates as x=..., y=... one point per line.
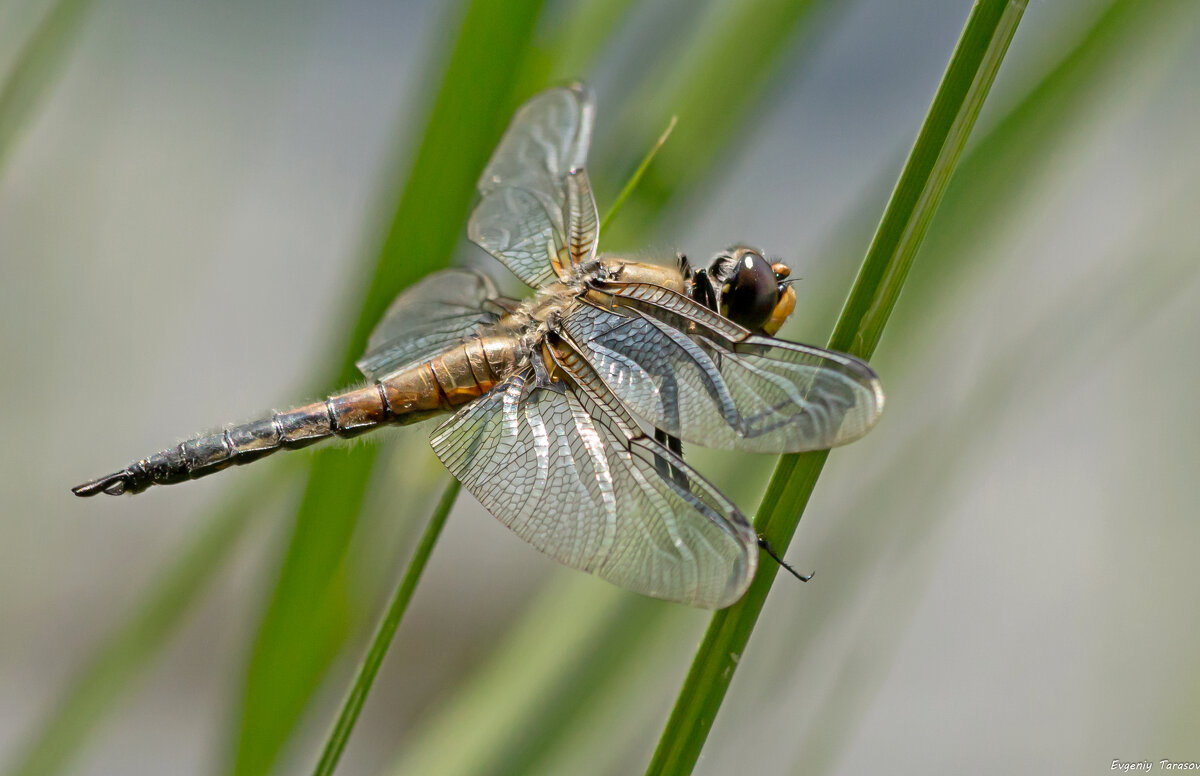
x=1045, y=119
x=340, y=734
x=36, y=69
x=636, y=178
x=114, y=668
x=716, y=95
x=964, y=86
x=572, y=633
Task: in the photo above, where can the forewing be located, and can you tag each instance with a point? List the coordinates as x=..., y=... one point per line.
x=441, y=310
x=756, y=394
x=537, y=214
x=564, y=475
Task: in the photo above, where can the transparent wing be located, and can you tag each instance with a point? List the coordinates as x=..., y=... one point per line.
x=441, y=310
x=537, y=214
x=726, y=388
x=574, y=481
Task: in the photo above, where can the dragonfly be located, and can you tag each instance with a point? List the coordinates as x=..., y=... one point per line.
x=568, y=409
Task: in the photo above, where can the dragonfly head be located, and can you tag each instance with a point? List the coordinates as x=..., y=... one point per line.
x=741, y=285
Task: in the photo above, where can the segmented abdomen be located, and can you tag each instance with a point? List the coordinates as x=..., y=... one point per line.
x=408, y=395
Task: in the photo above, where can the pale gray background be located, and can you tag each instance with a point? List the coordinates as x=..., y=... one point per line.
x=1024, y=599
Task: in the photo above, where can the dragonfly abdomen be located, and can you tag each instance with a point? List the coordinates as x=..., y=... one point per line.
x=408, y=395
x=346, y=414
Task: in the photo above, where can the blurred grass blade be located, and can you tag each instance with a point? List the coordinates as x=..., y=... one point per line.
x=963, y=89
x=1043, y=119
x=567, y=632
x=340, y=734
x=36, y=69
x=714, y=94
x=306, y=621
x=114, y=667
x=922, y=183
x=567, y=50
x=636, y=178
x=607, y=733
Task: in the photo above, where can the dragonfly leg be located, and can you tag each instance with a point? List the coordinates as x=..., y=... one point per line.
x=769, y=550
x=540, y=372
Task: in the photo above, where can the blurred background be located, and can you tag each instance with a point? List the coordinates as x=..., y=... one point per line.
x=198, y=201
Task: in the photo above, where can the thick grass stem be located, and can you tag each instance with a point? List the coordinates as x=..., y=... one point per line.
x=934, y=155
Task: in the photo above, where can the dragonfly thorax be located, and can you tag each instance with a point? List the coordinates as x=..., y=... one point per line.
x=617, y=270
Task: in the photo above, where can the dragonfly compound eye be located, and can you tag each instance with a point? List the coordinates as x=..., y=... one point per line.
x=751, y=292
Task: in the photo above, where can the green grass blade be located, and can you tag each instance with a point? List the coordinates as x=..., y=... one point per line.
x=567, y=50
x=340, y=734
x=942, y=138
x=1095, y=319
x=568, y=633
x=614, y=705
x=922, y=183
x=306, y=620
x=36, y=69
x=114, y=667
x=713, y=93
x=635, y=179
x=1028, y=135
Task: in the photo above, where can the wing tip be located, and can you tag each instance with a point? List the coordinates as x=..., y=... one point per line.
x=735, y=589
x=875, y=385
x=580, y=89
x=870, y=381
x=741, y=575
x=880, y=399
